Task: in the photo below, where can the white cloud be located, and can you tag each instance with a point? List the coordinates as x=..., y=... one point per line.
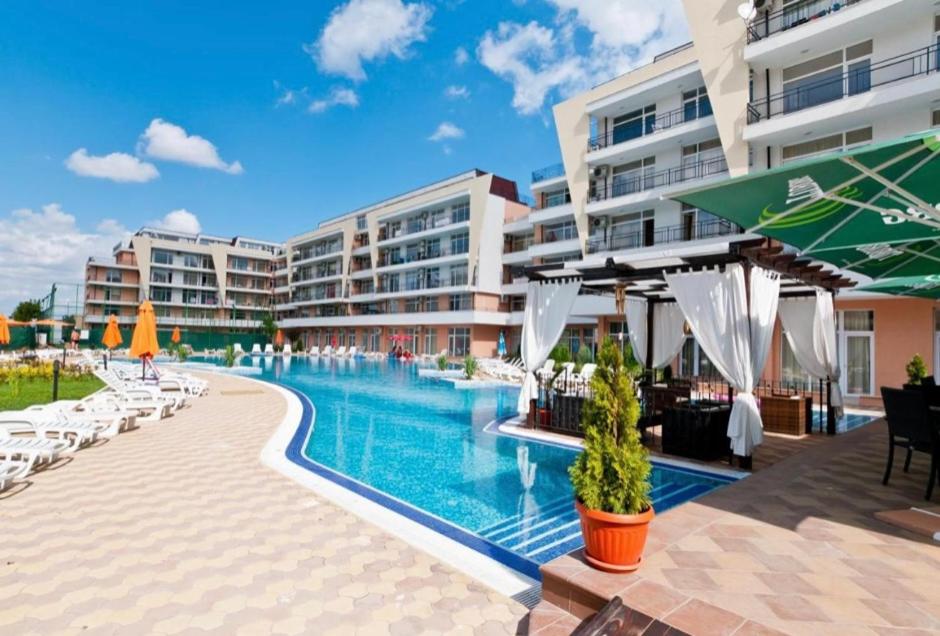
x=461, y=56
x=540, y=60
x=163, y=140
x=116, y=166
x=368, y=30
x=181, y=220
x=456, y=92
x=338, y=96
x=288, y=96
x=446, y=130
x=38, y=248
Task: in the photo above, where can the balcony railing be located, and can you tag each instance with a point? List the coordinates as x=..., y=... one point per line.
x=566, y=233
x=651, y=124
x=855, y=81
x=792, y=16
x=640, y=181
x=420, y=225
x=548, y=172
x=618, y=241
x=418, y=285
x=387, y=260
x=518, y=246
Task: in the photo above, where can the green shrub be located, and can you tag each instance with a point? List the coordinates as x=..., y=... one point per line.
x=612, y=473
x=560, y=354
x=229, y=357
x=442, y=362
x=469, y=366
x=916, y=369
x=584, y=356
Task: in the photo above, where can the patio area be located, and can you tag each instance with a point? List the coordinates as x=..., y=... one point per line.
x=177, y=527
x=794, y=548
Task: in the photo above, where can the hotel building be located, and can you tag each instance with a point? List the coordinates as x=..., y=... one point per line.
x=800, y=78
x=194, y=281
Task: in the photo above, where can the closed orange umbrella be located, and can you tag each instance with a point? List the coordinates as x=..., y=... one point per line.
x=4, y=330
x=176, y=335
x=279, y=338
x=144, y=342
x=112, y=334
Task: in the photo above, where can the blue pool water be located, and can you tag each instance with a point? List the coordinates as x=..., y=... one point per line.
x=428, y=445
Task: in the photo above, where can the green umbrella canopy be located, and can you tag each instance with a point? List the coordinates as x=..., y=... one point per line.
x=871, y=210
x=919, y=286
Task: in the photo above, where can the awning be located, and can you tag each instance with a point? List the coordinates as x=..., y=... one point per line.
x=918, y=286
x=871, y=210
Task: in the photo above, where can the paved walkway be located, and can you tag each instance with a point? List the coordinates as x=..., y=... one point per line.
x=795, y=547
x=178, y=528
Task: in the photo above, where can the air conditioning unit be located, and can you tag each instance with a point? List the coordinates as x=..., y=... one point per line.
x=600, y=172
x=600, y=221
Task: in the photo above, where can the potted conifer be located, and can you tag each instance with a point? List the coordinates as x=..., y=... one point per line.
x=611, y=475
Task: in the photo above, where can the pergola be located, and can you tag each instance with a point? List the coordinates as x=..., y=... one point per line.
x=649, y=276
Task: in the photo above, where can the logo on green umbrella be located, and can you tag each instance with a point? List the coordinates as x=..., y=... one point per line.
x=814, y=212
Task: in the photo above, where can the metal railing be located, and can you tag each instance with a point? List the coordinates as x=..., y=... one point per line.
x=852, y=82
x=548, y=172
x=422, y=224
x=566, y=233
x=387, y=260
x=639, y=181
x=651, y=124
x=519, y=245
x=792, y=16
x=660, y=236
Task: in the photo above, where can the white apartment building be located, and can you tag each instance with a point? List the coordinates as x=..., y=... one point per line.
x=801, y=77
x=193, y=280
x=424, y=265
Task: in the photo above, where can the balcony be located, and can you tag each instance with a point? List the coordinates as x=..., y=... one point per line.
x=549, y=172
x=628, y=238
x=422, y=227
x=651, y=125
x=640, y=181
x=793, y=16
x=387, y=260
x=919, y=63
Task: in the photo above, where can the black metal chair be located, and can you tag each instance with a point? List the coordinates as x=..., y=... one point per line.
x=911, y=426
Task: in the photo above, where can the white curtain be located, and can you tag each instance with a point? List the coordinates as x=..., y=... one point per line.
x=735, y=339
x=811, y=331
x=547, y=307
x=668, y=334
x=635, y=312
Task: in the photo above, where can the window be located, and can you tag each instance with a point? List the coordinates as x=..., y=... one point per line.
x=560, y=232
x=829, y=143
x=430, y=303
x=693, y=361
x=460, y=302
x=695, y=104
x=820, y=79
x=460, y=213
x=460, y=243
x=935, y=116
x=458, y=341
x=112, y=276
x=361, y=223
x=857, y=349
x=634, y=124
x=792, y=373
x=392, y=283
x=162, y=257
x=702, y=159
x=238, y=263
x=193, y=260
x=430, y=341
x=161, y=276
x=412, y=305
x=458, y=275
x=432, y=248
x=160, y=294
x=555, y=197
x=375, y=343
x=572, y=340
x=634, y=176
x=413, y=280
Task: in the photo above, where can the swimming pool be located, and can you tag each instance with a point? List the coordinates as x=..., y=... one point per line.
x=427, y=450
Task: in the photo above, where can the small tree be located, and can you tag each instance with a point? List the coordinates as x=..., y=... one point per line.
x=916, y=369
x=27, y=310
x=442, y=362
x=612, y=472
x=268, y=326
x=583, y=357
x=469, y=366
x=229, y=358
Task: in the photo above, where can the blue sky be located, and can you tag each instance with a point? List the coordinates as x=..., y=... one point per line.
x=262, y=120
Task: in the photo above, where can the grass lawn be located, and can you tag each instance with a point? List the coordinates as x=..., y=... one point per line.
x=40, y=392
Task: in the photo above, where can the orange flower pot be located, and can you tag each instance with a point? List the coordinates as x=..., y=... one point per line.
x=612, y=542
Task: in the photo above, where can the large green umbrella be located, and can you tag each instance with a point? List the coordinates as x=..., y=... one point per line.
x=920, y=286
x=872, y=210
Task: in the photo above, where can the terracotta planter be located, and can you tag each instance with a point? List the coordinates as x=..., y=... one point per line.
x=612, y=542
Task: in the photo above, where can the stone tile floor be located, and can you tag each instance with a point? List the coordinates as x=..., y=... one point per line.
x=178, y=528
x=794, y=548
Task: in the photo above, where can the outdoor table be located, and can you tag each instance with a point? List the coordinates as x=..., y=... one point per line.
x=697, y=430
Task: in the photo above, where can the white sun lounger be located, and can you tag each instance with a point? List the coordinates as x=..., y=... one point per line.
x=328, y=351
x=10, y=470
x=100, y=408
x=341, y=352
x=353, y=351
x=287, y=350
x=33, y=449
x=269, y=349
x=237, y=348
x=126, y=389
x=315, y=351
x=256, y=349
